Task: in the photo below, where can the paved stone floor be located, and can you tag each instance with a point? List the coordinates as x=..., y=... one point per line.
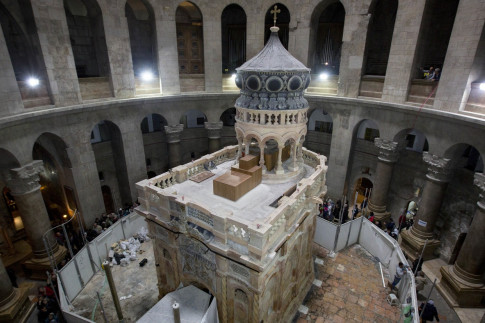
x=351, y=290
x=139, y=282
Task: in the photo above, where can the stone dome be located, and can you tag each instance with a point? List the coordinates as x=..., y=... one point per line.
x=273, y=79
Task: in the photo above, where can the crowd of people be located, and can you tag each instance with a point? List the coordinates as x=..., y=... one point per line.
x=107, y=220
x=47, y=305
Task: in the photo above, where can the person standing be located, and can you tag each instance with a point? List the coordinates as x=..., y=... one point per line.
x=430, y=312
x=400, y=271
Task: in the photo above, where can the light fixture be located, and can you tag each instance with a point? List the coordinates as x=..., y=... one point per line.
x=482, y=86
x=64, y=216
x=323, y=76
x=326, y=63
x=233, y=76
x=146, y=76
x=33, y=81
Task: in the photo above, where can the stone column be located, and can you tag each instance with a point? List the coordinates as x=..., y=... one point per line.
x=212, y=52
x=214, y=130
x=12, y=300
x=173, y=139
x=55, y=45
x=24, y=186
x=400, y=66
x=9, y=91
x=279, y=165
x=86, y=181
x=166, y=35
x=462, y=284
x=119, y=50
x=437, y=178
x=353, y=49
x=460, y=68
x=261, y=157
x=388, y=155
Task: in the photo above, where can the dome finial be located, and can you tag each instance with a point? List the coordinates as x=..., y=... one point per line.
x=275, y=11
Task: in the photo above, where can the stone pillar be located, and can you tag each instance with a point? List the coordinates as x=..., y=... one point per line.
x=24, y=186
x=388, y=155
x=437, y=178
x=86, y=181
x=400, y=66
x=458, y=69
x=279, y=165
x=353, y=49
x=119, y=50
x=261, y=157
x=12, y=300
x=212, y=52
x=173, y=139
x=166, y=35
x=55, y=45
x=294, y=162
x=214, y=130
x=462, y=284
x=9, y=91
x=299, y=41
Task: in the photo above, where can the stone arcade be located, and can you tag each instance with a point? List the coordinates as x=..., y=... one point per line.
x=254, y=251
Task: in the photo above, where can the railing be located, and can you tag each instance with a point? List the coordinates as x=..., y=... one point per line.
x=272, y=117
x=378, y=243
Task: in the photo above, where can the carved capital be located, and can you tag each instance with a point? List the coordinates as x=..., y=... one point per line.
x=479, y=181
x=25, y=179
x=214, y=129
x=439, y=168
x=388, y=150
x=173, y=133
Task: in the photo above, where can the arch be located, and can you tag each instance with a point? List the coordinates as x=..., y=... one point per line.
x=366, y=129
x=107, y=198
x=7, y=162
x=107, y=145
x=228, y=117
x=414, y=140
x=190, y=45
x=361, y=188
x=241, y=306
x=321, y=121
x=379, y=36
x=141, y=26
x=326, y=32
x=233, y=27
x=86, y=31
x=283, y=22
x=193, y=119
x=153, y=123
x=465, y=156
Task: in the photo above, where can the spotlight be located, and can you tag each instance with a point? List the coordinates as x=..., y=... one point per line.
x=233, y=76
x=33, y=81
x=482, y=86
x=326, y=63
x=146, y=76
x=323, y=76
x=65, y=216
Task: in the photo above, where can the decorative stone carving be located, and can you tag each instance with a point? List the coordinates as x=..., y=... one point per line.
x=240, y=270
x=239, y=232
x=388, y=150
x=439, y=168
x=197, y=214
x=25, y=179
x=214, y=129
x=198, y=260
x=173, y=133
x=479, y=181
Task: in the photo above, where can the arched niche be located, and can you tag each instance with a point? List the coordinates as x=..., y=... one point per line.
x=233, y=30
x=190, y=44
x=155, y=144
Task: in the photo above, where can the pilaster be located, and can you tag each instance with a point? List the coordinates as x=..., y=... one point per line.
x=55, y=45
x=458, y=69
x=9, y=91
x=400, y=66
x=212, y=52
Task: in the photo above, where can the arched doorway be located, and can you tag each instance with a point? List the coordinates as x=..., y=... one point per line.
x=233, y=27
x=362, y=189
x=155, y=144
x=108, y=199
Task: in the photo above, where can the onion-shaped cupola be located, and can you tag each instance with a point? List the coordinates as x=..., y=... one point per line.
x=271, y=112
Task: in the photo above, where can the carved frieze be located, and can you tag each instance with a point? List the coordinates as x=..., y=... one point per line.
x=439, y=168
x=388, y=150
x=197, y=214
x=198, y=260
x=25, y=179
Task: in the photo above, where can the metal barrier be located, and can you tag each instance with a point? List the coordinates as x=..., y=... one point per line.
x=336, y=237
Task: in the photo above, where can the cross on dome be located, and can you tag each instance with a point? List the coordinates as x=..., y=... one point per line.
x=275, y=11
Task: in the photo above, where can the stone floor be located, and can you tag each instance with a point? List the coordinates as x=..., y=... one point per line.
x=139, y=282
x=351, y=290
